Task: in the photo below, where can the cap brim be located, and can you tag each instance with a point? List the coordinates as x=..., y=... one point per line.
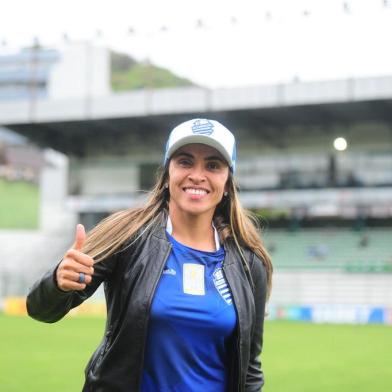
x=202, y=139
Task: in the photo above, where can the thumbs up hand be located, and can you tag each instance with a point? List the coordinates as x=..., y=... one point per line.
x=76, y=269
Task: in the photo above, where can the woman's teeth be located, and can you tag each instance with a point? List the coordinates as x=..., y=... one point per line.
x=195, y=191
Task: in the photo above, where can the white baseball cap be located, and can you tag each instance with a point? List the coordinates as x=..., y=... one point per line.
x=204, y=131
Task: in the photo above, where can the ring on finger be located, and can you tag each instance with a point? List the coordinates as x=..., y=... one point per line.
x=82, y=277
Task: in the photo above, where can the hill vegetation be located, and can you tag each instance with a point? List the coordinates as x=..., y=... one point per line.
x=128, y=74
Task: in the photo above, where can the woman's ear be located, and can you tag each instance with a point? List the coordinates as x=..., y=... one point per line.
x=228, y=186
x=226, y=190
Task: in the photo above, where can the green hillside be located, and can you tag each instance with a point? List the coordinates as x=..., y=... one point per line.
x=127, y=74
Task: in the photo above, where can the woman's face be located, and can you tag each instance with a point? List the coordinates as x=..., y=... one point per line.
x=197, y=179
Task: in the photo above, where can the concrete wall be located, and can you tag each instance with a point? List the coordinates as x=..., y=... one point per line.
x=312, y=288
x=105, y=179
x=80, y=81
x=82, y=71
x=55, y=217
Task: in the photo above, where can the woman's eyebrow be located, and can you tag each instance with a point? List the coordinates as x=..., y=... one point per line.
x=214, y=158
x=187, y=154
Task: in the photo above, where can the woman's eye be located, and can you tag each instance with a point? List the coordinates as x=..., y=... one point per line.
x=213, y=165
x=184, y=162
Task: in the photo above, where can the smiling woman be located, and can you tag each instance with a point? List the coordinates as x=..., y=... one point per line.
x=186, y=278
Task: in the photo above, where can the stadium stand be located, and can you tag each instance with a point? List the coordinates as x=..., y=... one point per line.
x=331, y=249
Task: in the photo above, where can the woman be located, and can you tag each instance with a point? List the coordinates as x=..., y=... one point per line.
x=186, y=278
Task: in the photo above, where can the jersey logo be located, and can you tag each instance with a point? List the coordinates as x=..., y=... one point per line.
x=202, y=127
x=169, y=271
x=221, y=285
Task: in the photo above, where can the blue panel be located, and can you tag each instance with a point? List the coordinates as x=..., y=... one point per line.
x=299, y=313
x=306, y=314
x=376, y=316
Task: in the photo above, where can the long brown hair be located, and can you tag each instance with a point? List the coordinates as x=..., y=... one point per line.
x=231, y=220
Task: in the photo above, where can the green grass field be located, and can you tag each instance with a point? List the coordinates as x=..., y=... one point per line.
x=297, y=357
x=19, y=205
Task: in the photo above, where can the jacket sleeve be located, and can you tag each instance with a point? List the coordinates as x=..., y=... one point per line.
x=46, y=302
x=255, y=376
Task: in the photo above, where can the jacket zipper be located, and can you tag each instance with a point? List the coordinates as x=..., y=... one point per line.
x=239, y=388
x=102, y=352
x=149, y=308
x=107, y=344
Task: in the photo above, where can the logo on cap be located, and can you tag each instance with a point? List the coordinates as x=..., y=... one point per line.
x=202, y=127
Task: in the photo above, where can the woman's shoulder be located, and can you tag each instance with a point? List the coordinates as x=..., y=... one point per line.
x=143, y=235
x=257, y=265
x=254, y=259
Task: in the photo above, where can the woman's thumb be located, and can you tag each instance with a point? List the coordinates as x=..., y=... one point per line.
x=80, y=237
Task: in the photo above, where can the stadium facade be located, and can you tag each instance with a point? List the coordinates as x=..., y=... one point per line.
x=327, y=213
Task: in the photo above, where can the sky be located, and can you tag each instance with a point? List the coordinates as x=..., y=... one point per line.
x=219, y=43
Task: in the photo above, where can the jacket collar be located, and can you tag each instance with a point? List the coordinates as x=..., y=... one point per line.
x=158, y=230
x=169, y=229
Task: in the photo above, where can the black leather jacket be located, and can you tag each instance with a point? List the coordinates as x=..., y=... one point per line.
x=130, y=278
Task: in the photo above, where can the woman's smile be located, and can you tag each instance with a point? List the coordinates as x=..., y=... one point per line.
x=196, y=193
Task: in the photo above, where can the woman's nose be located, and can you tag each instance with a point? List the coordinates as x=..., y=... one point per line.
x=197, y=174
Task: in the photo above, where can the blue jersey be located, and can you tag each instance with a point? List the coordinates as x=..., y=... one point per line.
x=191, y=319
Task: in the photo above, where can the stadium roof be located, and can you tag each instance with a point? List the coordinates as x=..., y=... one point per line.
x=148, y=115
